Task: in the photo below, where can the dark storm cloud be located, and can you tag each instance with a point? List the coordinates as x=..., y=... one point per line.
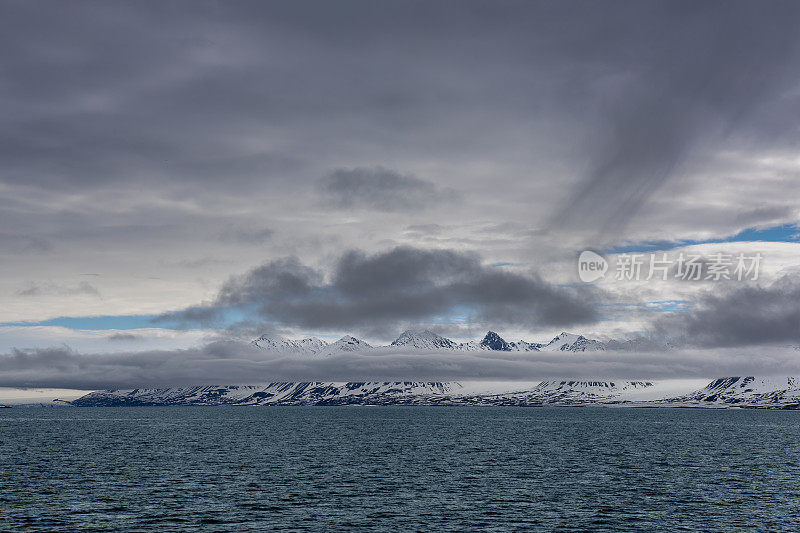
x=380, y=292
x=380, y=188
x=739, y=316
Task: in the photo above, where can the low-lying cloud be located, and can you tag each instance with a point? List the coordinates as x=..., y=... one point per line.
x=225, y=363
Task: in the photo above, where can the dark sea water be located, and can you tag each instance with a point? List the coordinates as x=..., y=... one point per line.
x=398, y=469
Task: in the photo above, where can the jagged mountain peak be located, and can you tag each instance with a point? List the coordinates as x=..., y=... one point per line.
x=424, y=340
x=493, y=341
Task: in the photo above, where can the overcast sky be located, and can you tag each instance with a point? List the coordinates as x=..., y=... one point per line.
x=174, y=172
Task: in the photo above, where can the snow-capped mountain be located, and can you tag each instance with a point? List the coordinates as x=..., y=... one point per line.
x=368, y=393
x=565, y=342
x=569, y=342
x=524, y=346
x=310, y=345
x=493, y=341
x=424, y=340
x=345, y=344
x=567, y=392
x=749, y=391
x=277, y=393
x=733, y=392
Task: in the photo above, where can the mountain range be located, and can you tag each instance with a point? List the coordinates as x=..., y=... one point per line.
x=424, y=340
x=730, y=392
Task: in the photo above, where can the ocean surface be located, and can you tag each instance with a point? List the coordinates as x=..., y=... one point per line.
x=398, y=469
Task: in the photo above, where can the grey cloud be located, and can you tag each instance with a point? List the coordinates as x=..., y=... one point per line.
x=283, y=278
x=201, y=262
x=25, y=243
x=54, y=289
x=381, y=188
x=217, y=107
x=376, y=293
x=739, y=316
x=424, y=229
x=124, y=337
x=764, y=215
x=205, y=316
x=700, y=78
x=193, y=118
x=246, y=235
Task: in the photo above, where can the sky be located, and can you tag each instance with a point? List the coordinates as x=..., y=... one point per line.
x=176, y=175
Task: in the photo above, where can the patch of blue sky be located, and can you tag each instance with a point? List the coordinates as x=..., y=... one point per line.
x=669, y=306
x=457, y=315
x=505, y=264
x=94, y=322
x=782, y=233
x=125, y=322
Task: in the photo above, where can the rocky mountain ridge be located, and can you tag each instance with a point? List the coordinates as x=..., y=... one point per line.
x=425, y=340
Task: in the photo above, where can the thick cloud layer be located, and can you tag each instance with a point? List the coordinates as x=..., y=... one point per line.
x=740, y=316
x=381, y=292
x=229, y=363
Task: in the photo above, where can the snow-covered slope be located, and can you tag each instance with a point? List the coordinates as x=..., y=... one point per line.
x=783, y=393
x=564, y=392
x=424, y=340
x=277, y=393
x=307, y=346
x=749, y=391
x=310, y=347
x=345, y=344
x=569, y=342
x=524, y=346
x=568, y=392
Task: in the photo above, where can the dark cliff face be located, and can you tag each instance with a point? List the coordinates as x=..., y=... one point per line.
x=493, y=341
